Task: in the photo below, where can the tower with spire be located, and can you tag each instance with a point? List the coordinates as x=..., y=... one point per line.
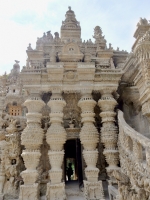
x=70, y=28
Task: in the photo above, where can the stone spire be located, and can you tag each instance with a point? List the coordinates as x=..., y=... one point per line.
x=70, y=28
x=142, y=26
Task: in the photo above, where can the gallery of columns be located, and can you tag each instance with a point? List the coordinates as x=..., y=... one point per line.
x=74, y=122
x=56, y=135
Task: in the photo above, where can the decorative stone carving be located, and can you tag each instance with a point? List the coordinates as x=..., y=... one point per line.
x=32, y=138
x=72, y=112
x=99, y=39
x=89, y=138
x=109, y=131
x=134, y=180
x=93, y=190
x=88, y=67
x=29, y=192
x=56, y=137
x=70, y=52
x=70, y=29
x=11, y=164
x=56, y=191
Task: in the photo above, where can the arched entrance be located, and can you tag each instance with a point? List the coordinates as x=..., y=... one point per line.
x=73, y=160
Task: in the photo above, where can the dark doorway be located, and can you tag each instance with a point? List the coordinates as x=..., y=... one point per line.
x=73, y=161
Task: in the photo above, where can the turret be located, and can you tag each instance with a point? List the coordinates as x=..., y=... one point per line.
x=142, y=27
x=70, y=29
x=16, y=68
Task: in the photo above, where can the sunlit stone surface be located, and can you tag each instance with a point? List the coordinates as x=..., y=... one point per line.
x=74, y=122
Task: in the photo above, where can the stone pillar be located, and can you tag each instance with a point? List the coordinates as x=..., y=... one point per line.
x=109, y=130
x=31, y=138
x=89, y=139
x=56, y=137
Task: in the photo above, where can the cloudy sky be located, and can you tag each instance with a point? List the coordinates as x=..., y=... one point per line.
x=22, y=21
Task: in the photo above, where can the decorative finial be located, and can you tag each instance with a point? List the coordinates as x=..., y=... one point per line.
x=17, y=61
x=69, y=7
x=29, y=47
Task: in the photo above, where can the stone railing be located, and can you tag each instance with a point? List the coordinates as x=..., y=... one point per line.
x=134, y=150
x=34, y=69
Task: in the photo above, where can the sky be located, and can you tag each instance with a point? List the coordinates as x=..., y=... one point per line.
x=22, y=21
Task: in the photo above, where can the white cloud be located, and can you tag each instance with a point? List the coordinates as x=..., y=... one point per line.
x=14, y=41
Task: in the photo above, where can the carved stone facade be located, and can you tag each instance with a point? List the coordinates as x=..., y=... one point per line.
x=80, y=106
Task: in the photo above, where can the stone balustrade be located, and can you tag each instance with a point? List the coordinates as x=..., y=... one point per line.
x=134, y=150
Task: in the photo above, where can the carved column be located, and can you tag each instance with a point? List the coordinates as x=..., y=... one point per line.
x=56, y=137
x=89, y=139
x=109, y=130
x=31, y=138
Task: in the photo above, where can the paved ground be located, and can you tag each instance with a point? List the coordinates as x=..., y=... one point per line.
x=74, y=193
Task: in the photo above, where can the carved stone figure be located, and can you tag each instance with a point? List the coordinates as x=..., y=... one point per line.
x=98, y=35
x=49, y=35
x=97, y=32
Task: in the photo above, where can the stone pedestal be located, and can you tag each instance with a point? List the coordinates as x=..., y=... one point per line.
x=93, y=190
x=29, y=192
x=31, y=138
x=109, y=131
x=56, y=137
x=89, y=139
x=55, y=191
